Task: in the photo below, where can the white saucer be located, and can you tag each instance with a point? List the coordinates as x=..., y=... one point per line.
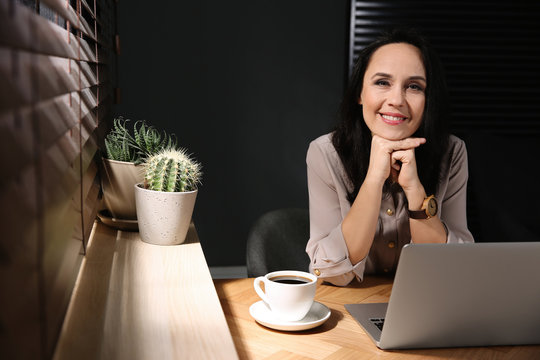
x=317, y=315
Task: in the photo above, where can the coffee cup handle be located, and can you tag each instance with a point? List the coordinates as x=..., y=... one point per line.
x=257, y=286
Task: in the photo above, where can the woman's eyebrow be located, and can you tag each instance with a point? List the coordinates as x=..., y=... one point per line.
x=418, y=77
x=385, y=75
x=381, y=74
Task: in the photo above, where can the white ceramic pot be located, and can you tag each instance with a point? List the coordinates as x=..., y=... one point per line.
x=164, y=217
x=117, y=182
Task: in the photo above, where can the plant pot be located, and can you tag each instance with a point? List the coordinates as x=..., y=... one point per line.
x=118, y=181
x=164, y=217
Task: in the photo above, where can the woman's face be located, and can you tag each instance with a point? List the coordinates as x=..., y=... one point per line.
x=393, y=91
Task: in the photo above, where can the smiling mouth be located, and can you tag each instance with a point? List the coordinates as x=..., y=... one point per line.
x=392, y=120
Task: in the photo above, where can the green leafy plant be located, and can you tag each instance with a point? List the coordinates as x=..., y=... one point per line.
x=119, y=142
x=172, y=170
x=135, y=145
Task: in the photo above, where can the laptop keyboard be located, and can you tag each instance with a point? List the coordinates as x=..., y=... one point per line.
x=378, y=323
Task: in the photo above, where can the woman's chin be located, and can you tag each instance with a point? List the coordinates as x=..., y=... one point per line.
x=391, y=136
x=394, y=134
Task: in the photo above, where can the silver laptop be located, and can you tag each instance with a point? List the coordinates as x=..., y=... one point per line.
x=457, y=295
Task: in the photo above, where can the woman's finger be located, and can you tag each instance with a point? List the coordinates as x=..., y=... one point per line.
x=403, y=157
x=408, y=143
x=408, y=175
x=390, y=146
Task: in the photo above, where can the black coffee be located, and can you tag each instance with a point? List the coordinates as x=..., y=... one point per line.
x=293, y=280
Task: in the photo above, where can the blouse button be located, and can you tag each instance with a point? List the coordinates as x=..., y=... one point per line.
x=317, y=272
x=391, y=245
x=390, y=212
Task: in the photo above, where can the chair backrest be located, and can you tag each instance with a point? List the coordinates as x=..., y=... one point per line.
x=277, y=241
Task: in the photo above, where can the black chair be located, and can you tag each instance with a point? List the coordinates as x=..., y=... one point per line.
x=277, y=241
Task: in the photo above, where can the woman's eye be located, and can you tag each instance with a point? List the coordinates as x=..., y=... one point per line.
x=416, y=87
x=382, y=82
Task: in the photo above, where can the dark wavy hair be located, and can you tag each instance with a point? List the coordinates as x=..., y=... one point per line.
x=352, y=137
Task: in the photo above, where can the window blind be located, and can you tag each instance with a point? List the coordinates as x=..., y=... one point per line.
x=57, y=74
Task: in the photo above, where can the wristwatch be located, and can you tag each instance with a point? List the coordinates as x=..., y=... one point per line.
x=428, y=210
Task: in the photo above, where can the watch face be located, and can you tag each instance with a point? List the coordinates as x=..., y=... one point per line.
x=432, y=207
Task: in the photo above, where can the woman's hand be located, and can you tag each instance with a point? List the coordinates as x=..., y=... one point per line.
x=396, y=159
x=405, y=172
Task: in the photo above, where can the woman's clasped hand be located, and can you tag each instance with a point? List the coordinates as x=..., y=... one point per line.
x=394, y=159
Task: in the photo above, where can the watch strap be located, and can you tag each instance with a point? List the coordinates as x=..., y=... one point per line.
x=418, y=214
x=424, y=212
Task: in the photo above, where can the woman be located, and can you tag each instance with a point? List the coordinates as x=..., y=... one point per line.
x=389, y=174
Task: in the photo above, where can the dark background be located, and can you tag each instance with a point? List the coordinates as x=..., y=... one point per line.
x=246, y=85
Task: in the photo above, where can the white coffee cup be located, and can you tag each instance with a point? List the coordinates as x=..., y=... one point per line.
x=288, y=293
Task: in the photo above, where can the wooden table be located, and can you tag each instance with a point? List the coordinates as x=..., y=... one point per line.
x=340, y=338
x=133, y=300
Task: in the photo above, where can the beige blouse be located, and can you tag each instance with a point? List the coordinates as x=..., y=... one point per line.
x=328, y=206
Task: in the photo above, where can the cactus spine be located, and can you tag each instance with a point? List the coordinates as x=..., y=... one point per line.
x=172, y=170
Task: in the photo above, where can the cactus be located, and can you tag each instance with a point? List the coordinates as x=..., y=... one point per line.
x=172, y=170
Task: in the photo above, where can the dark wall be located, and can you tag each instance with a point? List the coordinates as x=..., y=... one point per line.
x=245, y=85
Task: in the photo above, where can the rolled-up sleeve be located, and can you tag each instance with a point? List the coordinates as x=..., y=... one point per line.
x=454, y=200
x=326, y=247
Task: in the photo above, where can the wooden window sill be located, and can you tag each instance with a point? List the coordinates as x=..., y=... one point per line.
x=133, y=300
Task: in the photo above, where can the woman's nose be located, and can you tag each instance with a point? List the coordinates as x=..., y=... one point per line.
x=396, y=97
